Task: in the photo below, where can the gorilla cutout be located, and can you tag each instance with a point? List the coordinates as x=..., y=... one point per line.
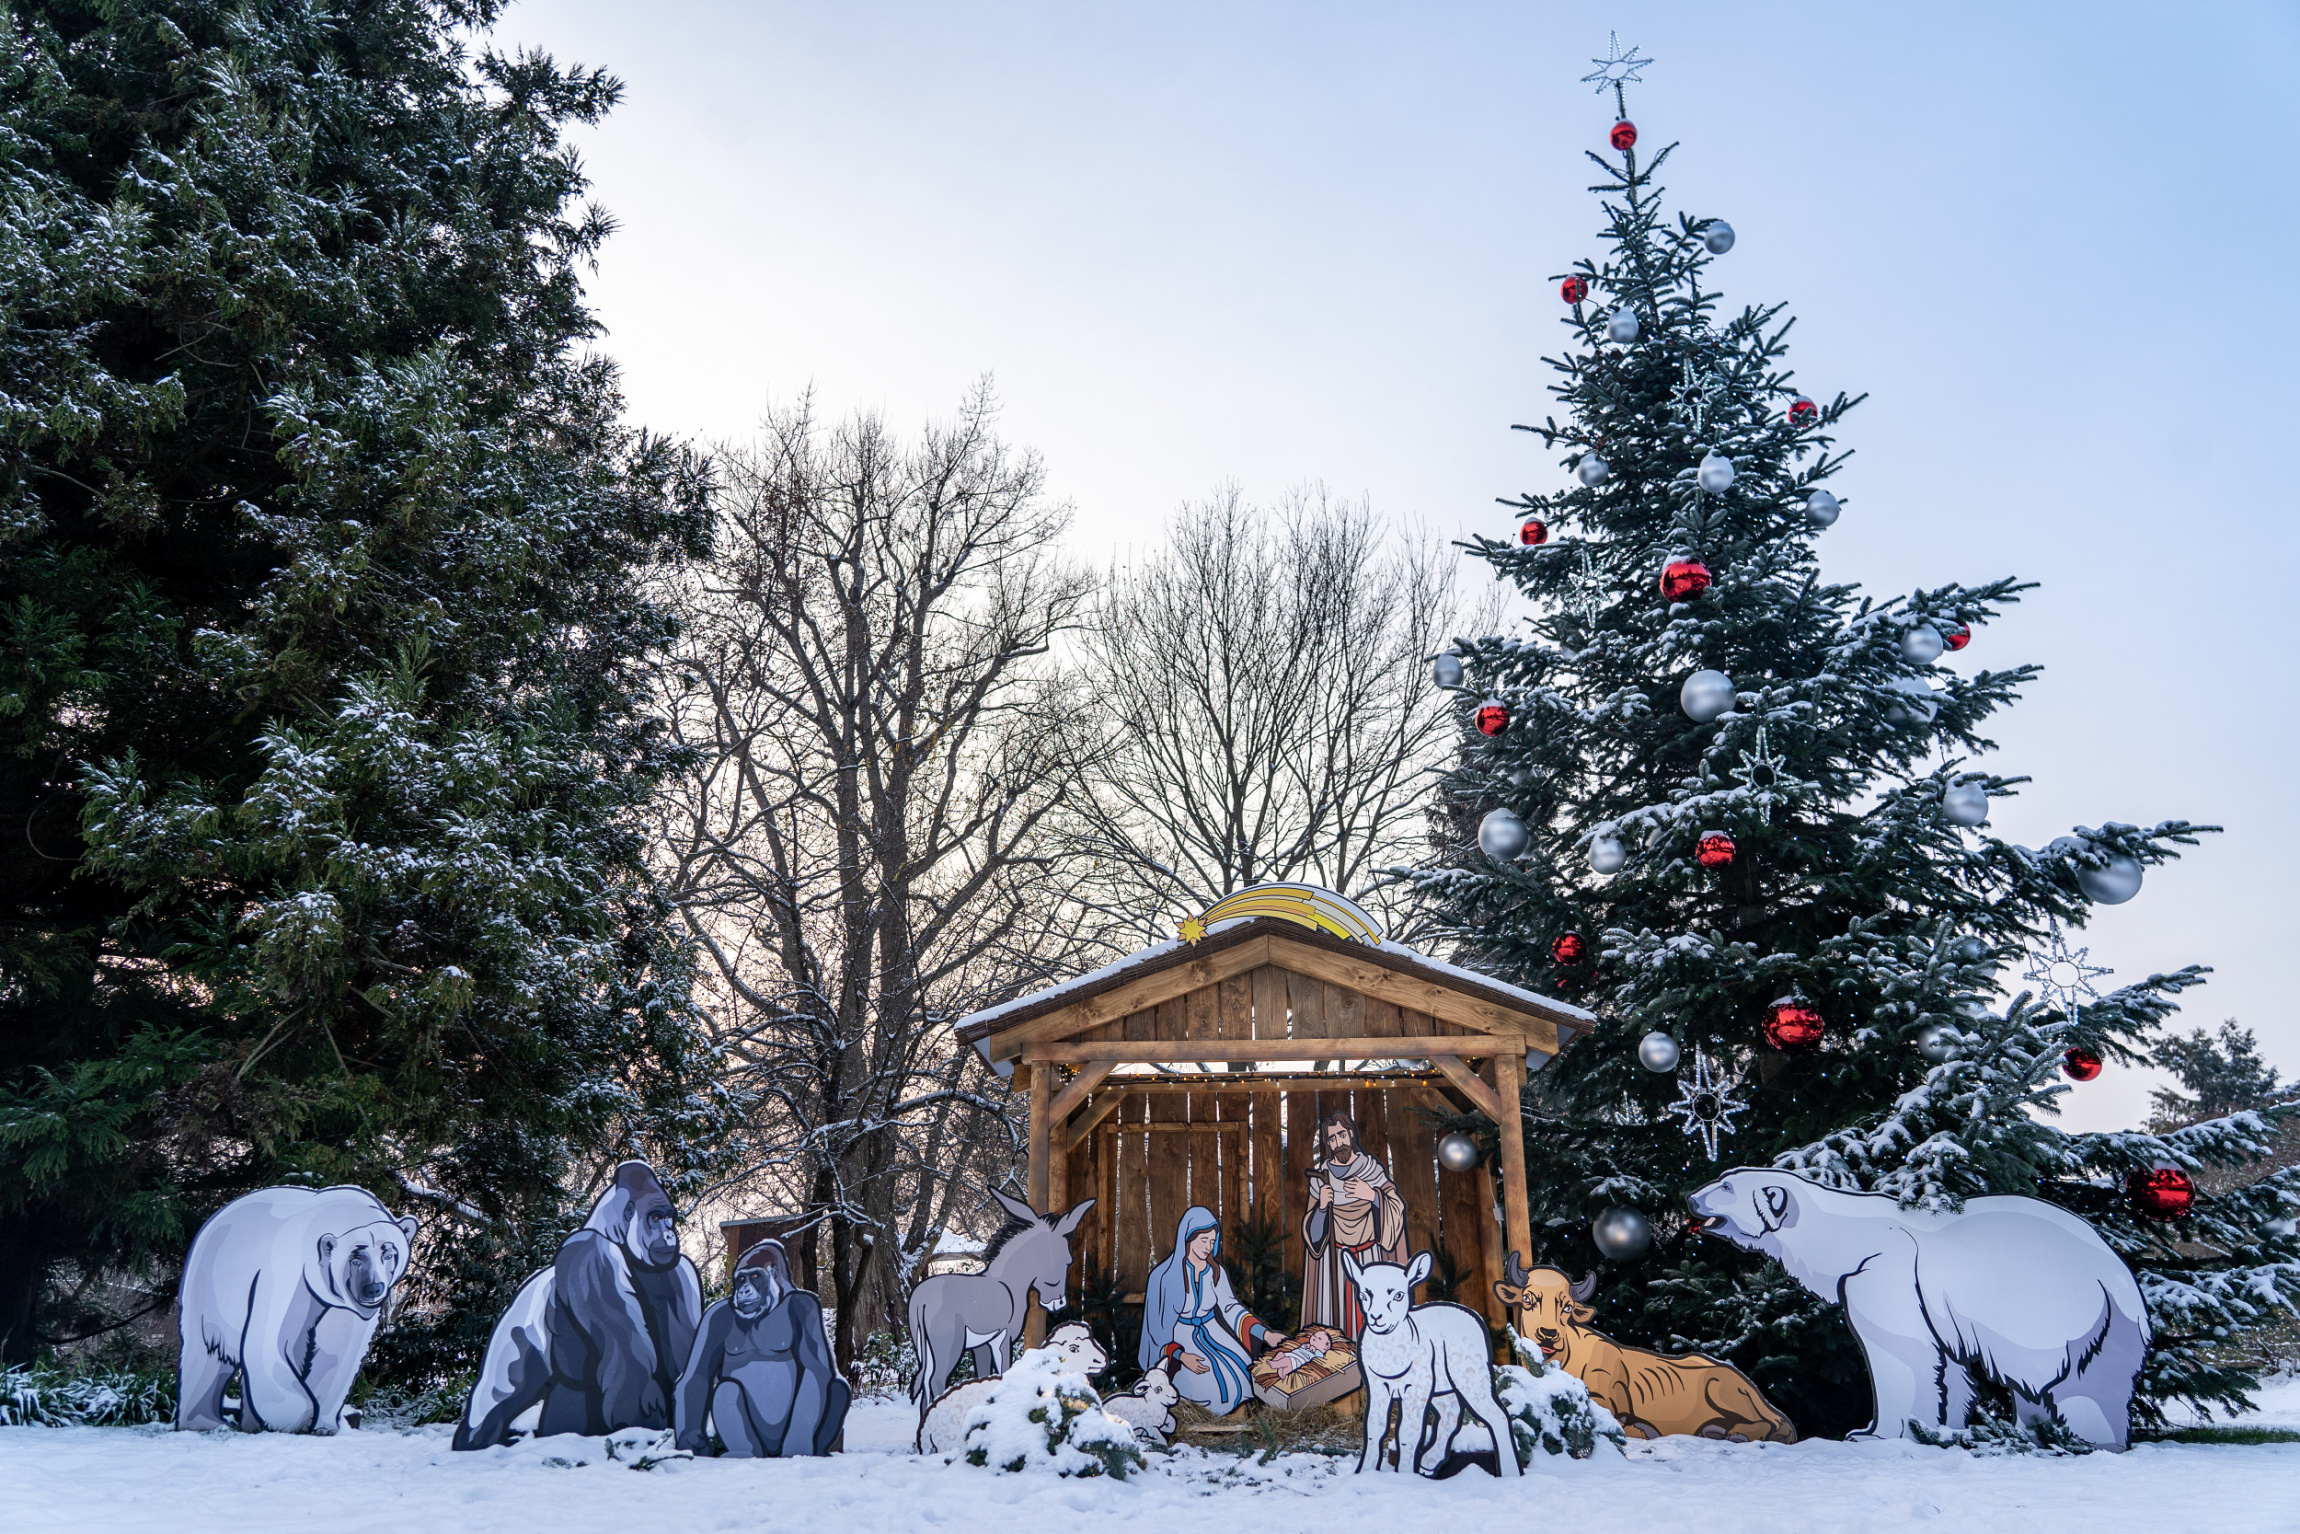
x=762, y=1367
x=282, y=1291
x=599, y=1335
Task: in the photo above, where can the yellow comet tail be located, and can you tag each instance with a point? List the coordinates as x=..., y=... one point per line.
x=1303, y=904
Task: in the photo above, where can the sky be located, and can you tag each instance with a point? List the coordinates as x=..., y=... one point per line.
x=1277, y=244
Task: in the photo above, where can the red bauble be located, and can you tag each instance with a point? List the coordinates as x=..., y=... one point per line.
x=1574, y=289
x=1624, y=135
x=1953, y=634
x=1492, y=717
x=1684, y=579
x=1533, y=531
x=1802, y=410
x=1569, y=948
x=2162, y=1194
x=1714, y=850
x=1793, y=1025
x=2081, y=1063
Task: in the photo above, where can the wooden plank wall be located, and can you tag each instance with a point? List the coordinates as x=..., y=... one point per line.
x=1248, y=1152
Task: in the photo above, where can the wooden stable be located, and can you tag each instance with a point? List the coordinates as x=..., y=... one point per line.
x=1195, y=1072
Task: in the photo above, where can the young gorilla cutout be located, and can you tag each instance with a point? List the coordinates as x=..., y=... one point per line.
x=761, y=1369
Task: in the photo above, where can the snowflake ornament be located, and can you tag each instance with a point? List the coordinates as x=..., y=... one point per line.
x=1707, y=1105
x=1696, y=391
x=2063, y=978
x=1761, y=771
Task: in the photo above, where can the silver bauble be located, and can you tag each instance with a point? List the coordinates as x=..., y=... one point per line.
x=1592, y=470
x=1969, y=950
x=1607, y=854
x=1964, y=804
x=1457, y=1152
x=1657, y=1051
x=2113, y=885
x=1501, y=835
x=1715, y=473
x=1622, y=328
x=1705, y=695
x=1621, y=1234
x=1717, y=236
x=1922, y=645
x=1916, y=703
x=1821, y=508
x=1937, y=1042
x=1446, y=670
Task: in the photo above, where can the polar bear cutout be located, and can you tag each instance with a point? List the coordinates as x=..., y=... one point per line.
x=282, y=1291
x=2018, y=1288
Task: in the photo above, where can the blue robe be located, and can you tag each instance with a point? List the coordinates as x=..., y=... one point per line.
x=1193, y=1310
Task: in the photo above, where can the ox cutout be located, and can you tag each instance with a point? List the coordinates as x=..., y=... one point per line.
x=282, y=1291
x=982, y=1313
x=761, y=1371
x=2016, y=1288
x=943, y=1429
x=1431, y=1360
x=1653, y=1395
x=597, y=1338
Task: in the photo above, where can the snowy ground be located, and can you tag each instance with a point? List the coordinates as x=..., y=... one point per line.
x=128, y=1479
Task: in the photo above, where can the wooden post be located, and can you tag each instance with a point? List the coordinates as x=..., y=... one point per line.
x=1040, y=1183
x=1517, y=1217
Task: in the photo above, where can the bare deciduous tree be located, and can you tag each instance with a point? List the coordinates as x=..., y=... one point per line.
x=1264, y=677
x=884, y=745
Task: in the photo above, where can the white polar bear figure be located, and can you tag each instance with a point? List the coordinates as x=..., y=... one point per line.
x=283, y=1289
x=2016, y=1287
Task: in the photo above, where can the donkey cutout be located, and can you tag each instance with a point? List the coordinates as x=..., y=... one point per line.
x=982, y=1313
x=1424, y=1356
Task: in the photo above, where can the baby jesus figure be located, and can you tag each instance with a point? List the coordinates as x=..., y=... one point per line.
x=1314, y=1345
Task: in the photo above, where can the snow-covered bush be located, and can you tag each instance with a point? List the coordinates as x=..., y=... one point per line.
x=1042, y=1415
x=1550, y=1411
x=43, y=1395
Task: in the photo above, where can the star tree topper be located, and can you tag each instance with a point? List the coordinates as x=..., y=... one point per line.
x=1706, y=1105
x=2063, y=978
x=1615, y=70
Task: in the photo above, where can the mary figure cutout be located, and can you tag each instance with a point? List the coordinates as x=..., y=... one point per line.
x=1194, y=1325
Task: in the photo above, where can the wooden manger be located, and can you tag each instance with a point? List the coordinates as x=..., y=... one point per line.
x=1196, y=1072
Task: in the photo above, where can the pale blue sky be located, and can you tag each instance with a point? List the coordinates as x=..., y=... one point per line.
x=2055, y=243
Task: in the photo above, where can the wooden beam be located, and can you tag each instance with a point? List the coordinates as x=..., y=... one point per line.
x=1082, y=1126
x=1420, y=995
x=1189, y=1051
x=1067, y=1100
x=1161, y=986
x=1517, y=1217
x=1038, y=1186
x=1482, y=1097
x=1175, y=1127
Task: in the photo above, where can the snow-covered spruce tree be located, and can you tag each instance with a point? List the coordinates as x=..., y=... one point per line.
x=322, y=734
x=1793, y=844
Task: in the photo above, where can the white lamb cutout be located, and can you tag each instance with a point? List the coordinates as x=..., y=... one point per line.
x=943, y=1429
x=1148, y=1408
x=2016, y=1287
x=1424, y=1356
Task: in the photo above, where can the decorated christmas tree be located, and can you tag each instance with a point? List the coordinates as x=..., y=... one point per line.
x=1738, y=810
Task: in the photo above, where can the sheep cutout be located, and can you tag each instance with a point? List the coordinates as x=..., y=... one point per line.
x=282, y=1292
x=1148, y=1408
x=1427, y=1358
x=943, y=1429
x=2017, y=1288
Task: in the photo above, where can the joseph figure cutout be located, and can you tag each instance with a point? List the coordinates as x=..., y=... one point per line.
x=1355, y=1208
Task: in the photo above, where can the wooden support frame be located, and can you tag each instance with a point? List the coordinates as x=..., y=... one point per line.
x=1482, y=1097
x=1067, y=1100
x=1194, y=1051
x=1517, y=1215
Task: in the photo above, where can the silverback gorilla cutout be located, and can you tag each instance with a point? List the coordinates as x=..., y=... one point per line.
x=282, y=1291
x=761, y=1370
x=598, y=1336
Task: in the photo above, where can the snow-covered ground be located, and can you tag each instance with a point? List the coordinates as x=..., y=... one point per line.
x=127, y=1479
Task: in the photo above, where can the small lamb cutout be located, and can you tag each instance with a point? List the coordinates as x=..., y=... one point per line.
x=1429, y=1358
